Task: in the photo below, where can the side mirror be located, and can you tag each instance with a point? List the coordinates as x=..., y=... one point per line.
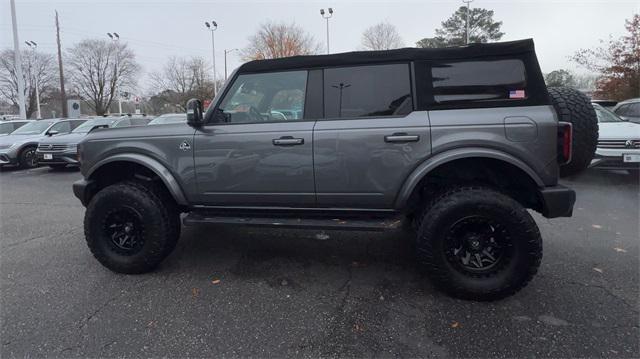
x=52, y=133
x=195, y=118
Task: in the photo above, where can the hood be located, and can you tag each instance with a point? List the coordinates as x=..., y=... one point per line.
x=619, y=130
x=66, y=138
x=19, y=139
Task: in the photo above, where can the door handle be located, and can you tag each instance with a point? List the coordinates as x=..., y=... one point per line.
x=288, y=141
x=401, y=137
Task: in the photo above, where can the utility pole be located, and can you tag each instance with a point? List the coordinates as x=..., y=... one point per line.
x=116, y=67
x=327, y=17
x=63, y=94
x=225, y=62
x=468, y=21
x=212, y=27
x=34, y=47
x=18, y=62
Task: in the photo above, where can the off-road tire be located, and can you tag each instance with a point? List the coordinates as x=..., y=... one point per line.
x=573, y=106
x=27, y=157
x=158, y=219
x=454, y=205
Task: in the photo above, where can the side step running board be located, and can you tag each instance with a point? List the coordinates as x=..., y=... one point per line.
x=376, y=224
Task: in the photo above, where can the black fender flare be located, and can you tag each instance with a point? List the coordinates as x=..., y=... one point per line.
x=451, y=155
x=150, y=163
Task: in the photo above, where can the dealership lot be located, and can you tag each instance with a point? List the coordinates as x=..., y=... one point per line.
x=258, y=292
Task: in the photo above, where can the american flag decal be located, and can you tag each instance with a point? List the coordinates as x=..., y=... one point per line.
x=516, y=94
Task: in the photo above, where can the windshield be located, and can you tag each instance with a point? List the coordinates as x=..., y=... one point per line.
x=87, y=126
x=33, y=128
x=605, y=115
x=163, y=120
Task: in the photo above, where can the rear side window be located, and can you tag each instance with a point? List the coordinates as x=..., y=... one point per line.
x=367, y=91
x=139, y=121
x=123, y=123
x=479, y=81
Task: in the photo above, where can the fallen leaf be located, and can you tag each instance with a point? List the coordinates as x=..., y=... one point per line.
x=598, y=270
x=215, y=281
x=455, y=325
x=195, y=292
x=596, y=226
x=358, y=328
x=619, y=250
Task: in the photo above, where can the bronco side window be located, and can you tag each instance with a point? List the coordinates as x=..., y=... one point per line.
x=367, y=91
x=266, y=97
x=478, y=81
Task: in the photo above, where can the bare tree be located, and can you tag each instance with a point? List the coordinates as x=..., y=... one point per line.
x=97, y=68
x=181, y=79
x=382, y=36
x=38, y=68
x=275, y=40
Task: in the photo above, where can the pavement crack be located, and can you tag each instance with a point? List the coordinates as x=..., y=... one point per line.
x=27, y=240
x=603, y=288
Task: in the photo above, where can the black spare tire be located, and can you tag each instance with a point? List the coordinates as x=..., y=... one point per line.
x=575, y=107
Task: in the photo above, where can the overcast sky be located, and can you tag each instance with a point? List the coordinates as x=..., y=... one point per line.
x=158, y=29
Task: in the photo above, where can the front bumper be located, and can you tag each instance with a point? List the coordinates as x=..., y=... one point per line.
x=8, y=157
x=83, y=189
x=58, y=158
x=557, y=201
x=612, y=159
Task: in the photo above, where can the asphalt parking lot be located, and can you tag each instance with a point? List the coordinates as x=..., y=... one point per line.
x=272, y=293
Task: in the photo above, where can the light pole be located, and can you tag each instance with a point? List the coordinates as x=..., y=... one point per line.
x=467, y=32
x=18, y=62
x=212, y=27
x=115, y=37
x=225, y=61
x=34, y=46
x=327, y=16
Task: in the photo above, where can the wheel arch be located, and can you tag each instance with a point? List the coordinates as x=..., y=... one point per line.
x=140, y=161
x=414, y=181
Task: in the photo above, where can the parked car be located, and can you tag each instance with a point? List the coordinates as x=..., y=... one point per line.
x=7, y=127
x=169, y=118
x=459, y=142
x=629, y=110
x=10, y=117
x=60, y=151
x=619, y=142
x=605, y=103
x=19, y=147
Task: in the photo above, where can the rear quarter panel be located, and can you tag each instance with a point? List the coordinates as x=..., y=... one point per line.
x=528, y=133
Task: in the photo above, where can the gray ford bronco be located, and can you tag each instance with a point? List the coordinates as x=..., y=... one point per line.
x=458, y=143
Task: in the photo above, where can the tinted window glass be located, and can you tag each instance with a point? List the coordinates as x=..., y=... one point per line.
x=139, y=121
x=277, y=96
x=473, y=81
x=6, y=128
x=367, y=91
x=61, y=127
x=125, y=122
x=634, y=110
x=622, y=110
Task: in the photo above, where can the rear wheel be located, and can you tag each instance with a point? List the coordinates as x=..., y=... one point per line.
x=27, y=158
x=130, y=228
x=575, y=107
x=477, y=243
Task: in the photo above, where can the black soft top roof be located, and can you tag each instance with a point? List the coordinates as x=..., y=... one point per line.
x=406, y=54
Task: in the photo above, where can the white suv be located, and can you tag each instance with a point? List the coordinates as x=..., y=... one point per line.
x=618, y=143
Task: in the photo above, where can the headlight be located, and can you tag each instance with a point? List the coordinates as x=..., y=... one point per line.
x=10, y=145
x=72, y=146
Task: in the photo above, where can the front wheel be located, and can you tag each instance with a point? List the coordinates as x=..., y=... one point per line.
x=27, y=158
x=130, y=227
x=477, y=243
